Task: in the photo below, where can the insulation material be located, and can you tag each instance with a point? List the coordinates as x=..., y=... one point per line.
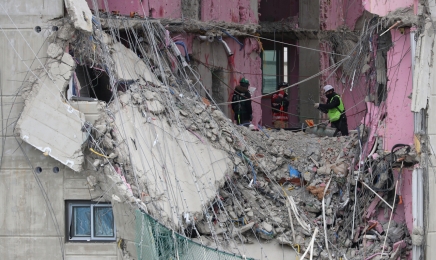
x=423, y=77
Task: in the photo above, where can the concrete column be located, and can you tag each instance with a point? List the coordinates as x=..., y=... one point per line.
x=309, y=65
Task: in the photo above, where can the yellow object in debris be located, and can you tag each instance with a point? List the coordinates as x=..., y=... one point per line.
x=417, y=144
x=298, y=250
x=97, y=153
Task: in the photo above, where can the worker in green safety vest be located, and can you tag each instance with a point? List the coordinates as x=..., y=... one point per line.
x=335, y=109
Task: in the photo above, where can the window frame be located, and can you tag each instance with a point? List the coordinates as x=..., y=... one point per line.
x=278, y=57
x=91, y=238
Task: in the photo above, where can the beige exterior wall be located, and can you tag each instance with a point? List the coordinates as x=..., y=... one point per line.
x=27, y=229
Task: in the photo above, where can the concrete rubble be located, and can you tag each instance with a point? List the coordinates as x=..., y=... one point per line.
x=163, y=149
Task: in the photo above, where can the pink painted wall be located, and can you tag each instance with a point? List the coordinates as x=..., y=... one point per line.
x=399, y=123
x=398, y=126
x=240, y=11
x=165, y=8
x=152, y=8
x=277, y=10
x=124, y=7
x=337, y=13
x=383, y=7
x=235, y=11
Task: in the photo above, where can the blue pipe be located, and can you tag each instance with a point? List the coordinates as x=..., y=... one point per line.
x=261, y=129
x=184, y=47
x=231, y=36
x=265, y=232
x=94, y=21
x=254, y=172
x=240, y=154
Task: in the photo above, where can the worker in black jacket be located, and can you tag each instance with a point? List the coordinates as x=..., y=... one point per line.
x=335, y=109
x=241, y=103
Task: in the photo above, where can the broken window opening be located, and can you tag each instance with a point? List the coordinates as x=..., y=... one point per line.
x=384, y=43
x=90, y=83
x=88, y=221
x=381, y=94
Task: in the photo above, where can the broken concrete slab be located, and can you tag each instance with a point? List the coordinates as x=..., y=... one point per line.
x=47, y=122
x=129, y=66
x=80, y=14
x=52, y=129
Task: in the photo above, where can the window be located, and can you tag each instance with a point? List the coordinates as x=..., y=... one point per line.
x=269, y=71
x=88, y=221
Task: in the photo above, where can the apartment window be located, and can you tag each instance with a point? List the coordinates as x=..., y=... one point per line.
x=90, y=221
x=269, y=71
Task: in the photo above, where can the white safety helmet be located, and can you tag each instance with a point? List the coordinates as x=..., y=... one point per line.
x=327, y=88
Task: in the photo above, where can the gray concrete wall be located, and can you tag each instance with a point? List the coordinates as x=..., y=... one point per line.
x=27, y=229
x=431, y=178
x=218, y=59
x=309, y=65
x=308, y=17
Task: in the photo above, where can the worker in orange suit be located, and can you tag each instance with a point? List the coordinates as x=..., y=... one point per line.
x=280, y=104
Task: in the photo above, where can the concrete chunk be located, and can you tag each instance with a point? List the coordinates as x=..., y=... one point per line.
x=129, y=66
x=80, y=14
x=54, y=51
x=49, y=124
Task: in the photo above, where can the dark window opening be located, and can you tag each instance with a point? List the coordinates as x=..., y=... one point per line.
x=384, y=43
x=381, y=94
x=218, y=89
x=90, y=83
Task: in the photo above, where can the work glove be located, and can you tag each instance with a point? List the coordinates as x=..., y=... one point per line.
x=316, y=105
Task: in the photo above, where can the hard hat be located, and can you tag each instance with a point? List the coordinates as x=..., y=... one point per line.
x=244, y=80
x=327, y=88
x=283, y=84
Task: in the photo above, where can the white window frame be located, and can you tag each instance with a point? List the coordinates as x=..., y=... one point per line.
x=91, y=205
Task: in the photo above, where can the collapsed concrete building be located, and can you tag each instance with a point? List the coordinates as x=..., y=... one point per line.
x=120, y=111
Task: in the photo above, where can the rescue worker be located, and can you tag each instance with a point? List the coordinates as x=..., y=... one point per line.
x=280, y=104
x=335, y=109
x=242, y=103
